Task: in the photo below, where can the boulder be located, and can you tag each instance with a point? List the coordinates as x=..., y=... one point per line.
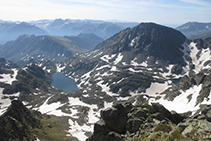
x=175, y=118
x=206, y=111
x=133, y=124
x=115, y=118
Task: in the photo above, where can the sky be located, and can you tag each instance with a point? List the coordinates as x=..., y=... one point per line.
x=168, y=12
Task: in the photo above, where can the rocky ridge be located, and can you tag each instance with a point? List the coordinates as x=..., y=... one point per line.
x=17, y=123
x=55, y=48
x=144, y=122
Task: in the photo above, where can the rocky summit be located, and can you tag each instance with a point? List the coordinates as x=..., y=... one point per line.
x=146, y=40
x=151, y=122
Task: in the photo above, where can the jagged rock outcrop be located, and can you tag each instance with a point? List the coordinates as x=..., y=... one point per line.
x=115, y=118
x=16, y=123
x=145, y=122
x=28, y=79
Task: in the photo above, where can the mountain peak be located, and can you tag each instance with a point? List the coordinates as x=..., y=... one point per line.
x=17, y=122
x=19, y=112
x=148, y=39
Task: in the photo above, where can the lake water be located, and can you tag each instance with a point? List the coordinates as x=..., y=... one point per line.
x=176, y=81
x=63, y=82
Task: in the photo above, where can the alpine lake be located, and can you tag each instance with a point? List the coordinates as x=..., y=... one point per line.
x=63, y=82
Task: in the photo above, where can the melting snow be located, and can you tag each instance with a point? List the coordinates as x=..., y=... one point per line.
x=132, y=43
x=134, y=63
x=106, y=88
x=102, y=67
x=180, y=104
x=191, y=50
x=9, y=78
x=59, y=68
x=118, y=59
x=5, y=100
x=156, y=88
x=52, y=109
x=78, y=131
x=106, y=58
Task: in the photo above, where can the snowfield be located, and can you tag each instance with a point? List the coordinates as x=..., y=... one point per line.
x=199, y=61
x=181, y=103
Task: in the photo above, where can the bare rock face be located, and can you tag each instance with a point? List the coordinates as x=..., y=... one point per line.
x=145, y=122
x=16, y=123
x=115, y=118
x=206, y=110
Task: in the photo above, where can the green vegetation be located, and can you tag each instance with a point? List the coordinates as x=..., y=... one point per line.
x=163, y=127
x=176, y=135
x=143, y=106
x=53, y=129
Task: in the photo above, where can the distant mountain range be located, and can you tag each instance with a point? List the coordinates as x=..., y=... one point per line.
x=11, y=30
x=58, y=27
x=55, y=48
x=194, y=30
x=68, y=27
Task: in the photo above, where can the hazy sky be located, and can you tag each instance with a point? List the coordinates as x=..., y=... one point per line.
x=160, y=11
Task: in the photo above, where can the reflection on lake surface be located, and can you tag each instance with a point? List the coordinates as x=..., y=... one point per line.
x=63, y=82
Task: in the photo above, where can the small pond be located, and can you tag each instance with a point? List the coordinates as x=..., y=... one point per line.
x=176, y=81
x=63, y=82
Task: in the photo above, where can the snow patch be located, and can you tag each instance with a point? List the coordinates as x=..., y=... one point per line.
x=180, y=104
x=9, y=78
x=59, y=67
x=51, y=109
x=78, y=131
x=118, y=59
x=106, y=58
x=5, y=100
x=106, y=88
x=102, y=67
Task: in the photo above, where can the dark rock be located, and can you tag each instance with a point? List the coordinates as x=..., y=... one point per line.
x=140, y=113
x=128, y=107
x=19, y=112
x=151, y=41
x=175, y=118
x=158, y=116
x=101, y=128
x=112, y=136
x=133, y=124
x=199, y=78
x=115, y=118
x=16, y=123
x=206, y=110
x=7, y=64
x=176, y=69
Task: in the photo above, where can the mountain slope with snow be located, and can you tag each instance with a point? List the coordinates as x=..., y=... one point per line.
x=146, y=59
x=145, y=64
x=54, y=48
